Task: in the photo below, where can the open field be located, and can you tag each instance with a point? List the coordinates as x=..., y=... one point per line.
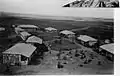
x=96, y=28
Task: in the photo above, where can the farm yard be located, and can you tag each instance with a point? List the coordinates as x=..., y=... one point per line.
x=65, y=57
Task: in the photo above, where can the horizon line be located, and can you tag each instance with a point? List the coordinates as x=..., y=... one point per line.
x=5, y=12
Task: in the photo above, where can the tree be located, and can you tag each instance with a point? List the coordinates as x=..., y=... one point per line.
x=7, y=23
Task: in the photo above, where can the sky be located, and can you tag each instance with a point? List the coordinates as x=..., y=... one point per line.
x=53, y=8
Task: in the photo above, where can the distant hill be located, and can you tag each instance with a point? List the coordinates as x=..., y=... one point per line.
x=31, y=16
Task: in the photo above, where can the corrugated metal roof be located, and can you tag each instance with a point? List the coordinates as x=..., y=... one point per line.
x=27, y=26
x=108, y=47
x=34, y=39
x=66, y=32
x=86, y=38
x=21, y=48
x=50, y=28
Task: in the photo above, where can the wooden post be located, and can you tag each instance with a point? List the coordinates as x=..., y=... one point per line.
x=19, y=58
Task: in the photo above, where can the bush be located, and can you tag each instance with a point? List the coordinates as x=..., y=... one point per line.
x=81, y=65
x=3, y=68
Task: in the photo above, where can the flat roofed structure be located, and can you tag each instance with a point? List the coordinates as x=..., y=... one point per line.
x=34, y=39
x=86, y=38
x=22, y=49
x=27, y=26
x=108, y=47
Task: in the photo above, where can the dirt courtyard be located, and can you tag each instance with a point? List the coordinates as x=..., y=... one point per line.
x=86, y=62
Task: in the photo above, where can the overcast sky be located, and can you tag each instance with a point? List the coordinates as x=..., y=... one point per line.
x=52, y=7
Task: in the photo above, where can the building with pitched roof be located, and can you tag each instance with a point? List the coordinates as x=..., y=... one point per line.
x=29, y=28
x=34, y=39
x=68, y=34
x=50, y=29
x=107, y=50
x=24, y=35
x=20, y=53
x=87, y=40
x=38, y=42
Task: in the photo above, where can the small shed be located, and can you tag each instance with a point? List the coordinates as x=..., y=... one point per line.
x=87, y=40
x=68, y=34
x=107, y=50
x=34, y=39
x=38, y=42
x=29, y=28
x=20, y=53
x=24, y=35
x=50, y=29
